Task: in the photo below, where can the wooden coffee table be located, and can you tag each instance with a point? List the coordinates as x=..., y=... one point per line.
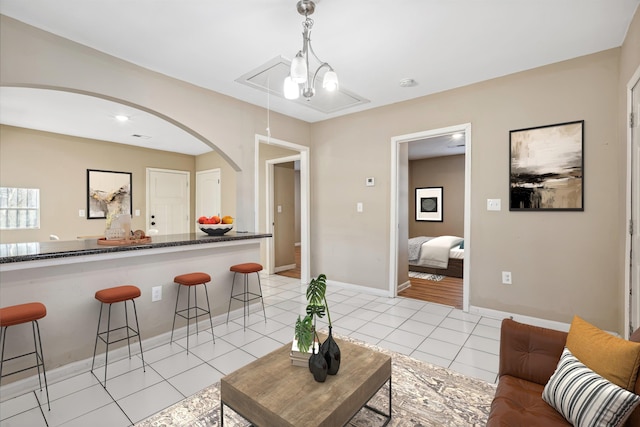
x=270, y=391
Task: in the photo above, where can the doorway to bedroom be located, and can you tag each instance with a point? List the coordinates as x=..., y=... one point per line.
x=432, y=215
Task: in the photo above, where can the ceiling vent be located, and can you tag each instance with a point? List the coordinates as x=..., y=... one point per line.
x=269, y=77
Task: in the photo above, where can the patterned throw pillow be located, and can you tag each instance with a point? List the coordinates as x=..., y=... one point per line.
x=584, y=398
x=613, y=358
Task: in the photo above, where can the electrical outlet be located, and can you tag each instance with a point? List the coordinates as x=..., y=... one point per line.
x=493, y=204
x=359, y=207
x=506, y=277
x=156, y=293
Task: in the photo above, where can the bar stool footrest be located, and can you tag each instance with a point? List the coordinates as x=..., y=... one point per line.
x=38, y=358
x=135, y=334
x=246, y=299
x=203, y=312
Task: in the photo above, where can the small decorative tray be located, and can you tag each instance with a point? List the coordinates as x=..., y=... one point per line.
x=104, y=241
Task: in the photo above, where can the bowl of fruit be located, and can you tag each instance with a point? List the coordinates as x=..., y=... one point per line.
x=215, y=225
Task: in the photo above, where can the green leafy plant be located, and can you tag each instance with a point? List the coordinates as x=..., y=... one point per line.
x=305, y=329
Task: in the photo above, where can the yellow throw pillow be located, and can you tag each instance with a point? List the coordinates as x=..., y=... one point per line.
x=613, y=358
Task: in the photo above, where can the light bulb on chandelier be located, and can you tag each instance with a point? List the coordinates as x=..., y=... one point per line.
x=300, y=79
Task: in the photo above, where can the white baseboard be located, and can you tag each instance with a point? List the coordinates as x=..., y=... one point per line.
x=69, y=370
x=284, y=268
x=404, y=286
x=358, y=288
x=497, y=314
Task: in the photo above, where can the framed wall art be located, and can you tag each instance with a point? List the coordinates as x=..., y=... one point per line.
x=108, y=193
x=546, y=168
x=429, y=204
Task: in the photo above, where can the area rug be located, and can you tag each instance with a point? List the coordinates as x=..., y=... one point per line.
x=422, y=395
x=426, y=276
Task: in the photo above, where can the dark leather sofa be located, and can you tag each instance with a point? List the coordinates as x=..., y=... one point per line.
x=528, y=357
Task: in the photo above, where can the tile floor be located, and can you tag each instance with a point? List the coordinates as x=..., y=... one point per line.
x=433, y=333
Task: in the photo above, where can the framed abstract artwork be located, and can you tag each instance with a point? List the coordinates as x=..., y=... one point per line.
x=108, y=193
x=546, y=168
x=429, y=204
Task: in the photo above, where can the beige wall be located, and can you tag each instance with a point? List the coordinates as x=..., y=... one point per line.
x=57, y=165
x=448, y=173
x=34, y=58
x=555, y=274
x=545, y=251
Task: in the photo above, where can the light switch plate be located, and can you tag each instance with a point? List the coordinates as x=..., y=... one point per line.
x=359, y=207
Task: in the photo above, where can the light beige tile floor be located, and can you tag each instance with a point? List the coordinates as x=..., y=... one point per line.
x=433, y=333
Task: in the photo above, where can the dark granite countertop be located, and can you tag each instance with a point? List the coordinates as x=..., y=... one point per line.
x=18, y=252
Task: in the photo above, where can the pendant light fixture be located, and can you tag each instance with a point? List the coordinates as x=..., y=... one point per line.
x=300, y=78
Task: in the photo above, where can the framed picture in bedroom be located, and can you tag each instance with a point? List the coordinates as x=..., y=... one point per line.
x=429, y=204
x=546, y=168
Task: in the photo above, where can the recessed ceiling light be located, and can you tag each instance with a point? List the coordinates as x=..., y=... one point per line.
x=408, y=83
x=122, y=118
x=456, y=136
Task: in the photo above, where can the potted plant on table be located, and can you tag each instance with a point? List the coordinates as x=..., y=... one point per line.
x=327, y=360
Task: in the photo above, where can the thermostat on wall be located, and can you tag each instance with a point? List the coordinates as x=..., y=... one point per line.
x=371, y=182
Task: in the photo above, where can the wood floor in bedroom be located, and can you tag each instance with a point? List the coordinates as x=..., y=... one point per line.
x=448, y=291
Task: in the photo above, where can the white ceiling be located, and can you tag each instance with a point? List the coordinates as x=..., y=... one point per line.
x=90, y=117
x=442, y=44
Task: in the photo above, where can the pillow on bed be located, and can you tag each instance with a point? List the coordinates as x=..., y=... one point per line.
x=462, y=245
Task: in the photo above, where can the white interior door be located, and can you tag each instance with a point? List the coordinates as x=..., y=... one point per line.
x=208, y=197
x=168, y=201
x=635, y=206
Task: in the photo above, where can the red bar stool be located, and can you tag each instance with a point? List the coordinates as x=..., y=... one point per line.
x=16, y=315
x=190, y=281
x=245, y=295
x=112, y=296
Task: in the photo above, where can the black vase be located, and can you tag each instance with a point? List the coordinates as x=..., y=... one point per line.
x=318, y=367
x=331, y=353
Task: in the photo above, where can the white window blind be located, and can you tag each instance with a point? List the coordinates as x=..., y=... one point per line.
x=19, y=208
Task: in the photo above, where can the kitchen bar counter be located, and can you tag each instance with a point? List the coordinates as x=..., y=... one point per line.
x=65, y=275
x=34, y=251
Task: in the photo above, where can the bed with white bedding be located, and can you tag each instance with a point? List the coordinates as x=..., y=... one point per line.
x=442, y=255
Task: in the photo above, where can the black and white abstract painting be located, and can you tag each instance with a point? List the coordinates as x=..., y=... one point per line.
x=547, y=168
